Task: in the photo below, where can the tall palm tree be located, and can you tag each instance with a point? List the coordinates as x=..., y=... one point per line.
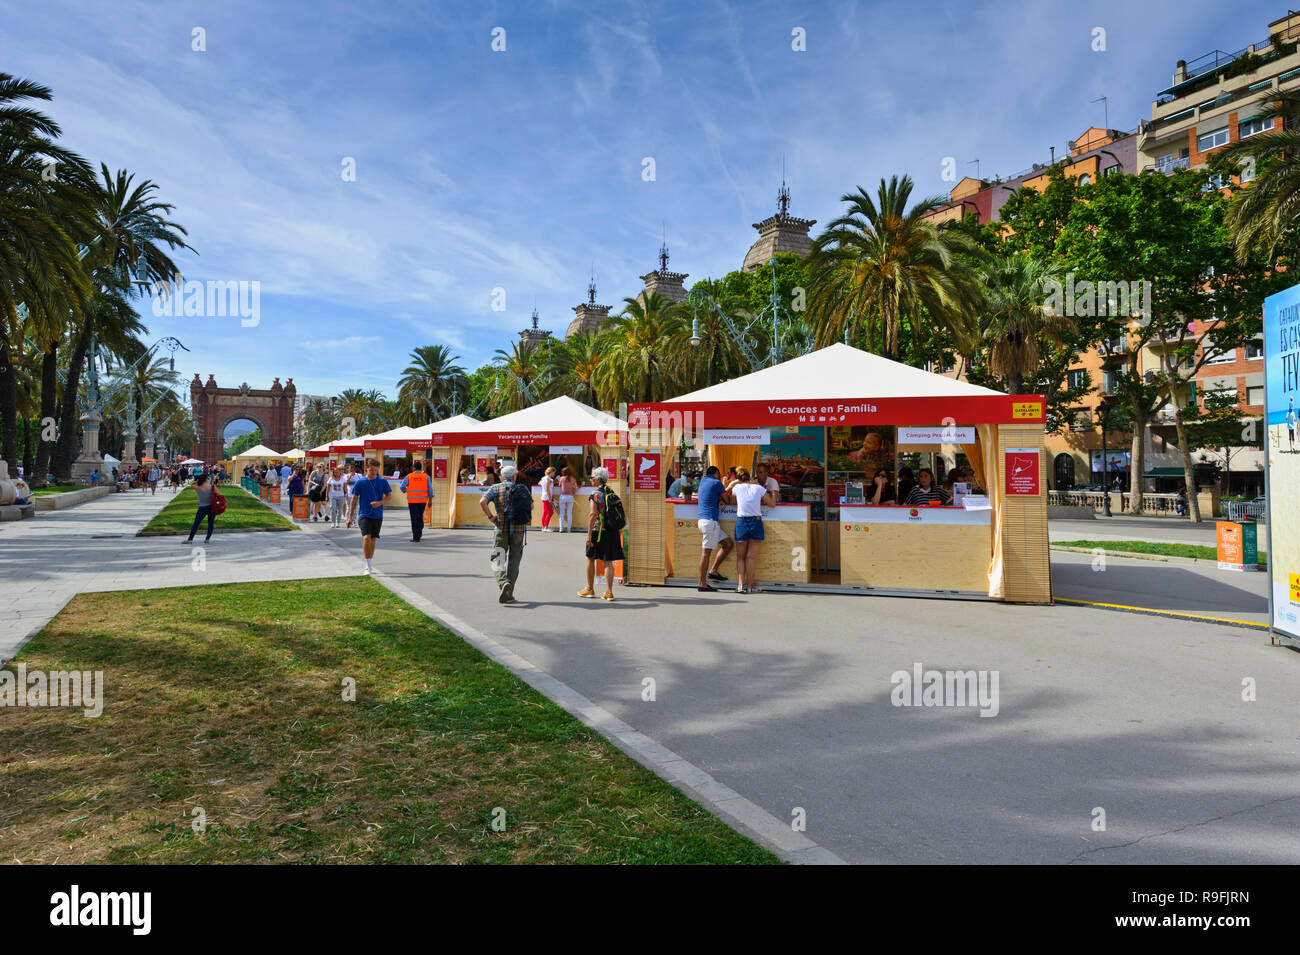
x=40, y=273
x=429, y=383
x=132, y=238
x=1263, y=210
x=572, y=368
x=882, y=263
x=1015, y=318
x=520, y=377
x=644, y=348
x=364, y=407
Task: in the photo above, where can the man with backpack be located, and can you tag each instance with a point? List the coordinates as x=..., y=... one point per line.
x=605, y=526
x=514, y=504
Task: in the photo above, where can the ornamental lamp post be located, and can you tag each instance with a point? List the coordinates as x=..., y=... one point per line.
x=1103, y=409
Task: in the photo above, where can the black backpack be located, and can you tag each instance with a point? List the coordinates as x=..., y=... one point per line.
x=613, y=519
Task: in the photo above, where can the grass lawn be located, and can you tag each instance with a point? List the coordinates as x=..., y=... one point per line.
x=1200, y=551
x=61, y=488
x=244, y=512
x=229, y=698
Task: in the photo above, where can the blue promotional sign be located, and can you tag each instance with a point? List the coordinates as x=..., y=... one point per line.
x=1282, y=476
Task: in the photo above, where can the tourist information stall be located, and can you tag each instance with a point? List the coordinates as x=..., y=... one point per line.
x=400, y=448
x=560, y=432
x=824, y=423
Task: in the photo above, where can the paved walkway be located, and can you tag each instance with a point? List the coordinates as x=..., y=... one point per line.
x=47, y=560
x=786, y=699
x=1159, y=530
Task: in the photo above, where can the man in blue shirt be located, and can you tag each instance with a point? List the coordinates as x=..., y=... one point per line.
x=709, y=495
x=369, y=496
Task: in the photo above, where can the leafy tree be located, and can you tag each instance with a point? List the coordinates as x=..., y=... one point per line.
x=1216, y=426
x=428, y=384
x=645, y=351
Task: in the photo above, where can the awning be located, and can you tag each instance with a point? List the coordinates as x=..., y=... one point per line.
x=841, y=385
x=1164, y=472
x=558, y=421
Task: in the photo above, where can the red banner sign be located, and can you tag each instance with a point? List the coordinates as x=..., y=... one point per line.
x=611, y=465
x=1022, y=471
x=645, y=470
x=439, y=468
x=971, y=409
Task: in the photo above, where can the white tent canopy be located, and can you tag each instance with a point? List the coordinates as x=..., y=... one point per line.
x=297, y=454
x=322, y=449
x=557, y=415
x=460, y=422
x=837, y=372
x=109, y=459
x=258, y=452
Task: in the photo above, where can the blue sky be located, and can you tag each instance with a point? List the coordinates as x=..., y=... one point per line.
x=522, y=169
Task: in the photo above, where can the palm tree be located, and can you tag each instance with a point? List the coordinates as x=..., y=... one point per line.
x=364, y=407
x=41, y=277
x=572, y=368
x=130, y=231
x=882, y=263
x=644, y=348
x=1263, y=211
x=1015, y=318
x=430, y=382
x=520, y=377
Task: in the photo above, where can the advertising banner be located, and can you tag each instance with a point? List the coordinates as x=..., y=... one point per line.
x=1022, y=471
x=714, y=436
x=1281, y=390
x=300, y=508
x=936, y=434
x=611, y=465
x=645, y=470
x=439, y=468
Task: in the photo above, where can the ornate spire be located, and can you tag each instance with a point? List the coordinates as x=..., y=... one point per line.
x=591, y=288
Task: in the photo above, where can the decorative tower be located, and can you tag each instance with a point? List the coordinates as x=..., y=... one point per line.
x=534, y=334
x=671, y=285
x=779, y=233
x=588, y=317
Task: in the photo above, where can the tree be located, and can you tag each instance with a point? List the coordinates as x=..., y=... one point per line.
x=881, y=264
x=1016, y=321
x=520, y=375
x=1217, y=427
x=645, y=348
x=430, y=382
x=573, y=367
x=1267, y=208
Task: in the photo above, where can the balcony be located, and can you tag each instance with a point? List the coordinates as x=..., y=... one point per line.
x=1169, y=165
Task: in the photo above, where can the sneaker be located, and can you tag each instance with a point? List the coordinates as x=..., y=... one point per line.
x=586, y=592
x=507, y=593
x=607, y=596
x=714, y=575
x=706, y=587
x=365, y=571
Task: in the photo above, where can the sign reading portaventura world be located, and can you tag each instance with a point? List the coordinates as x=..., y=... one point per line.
x=1282, y=388
x=689, y=415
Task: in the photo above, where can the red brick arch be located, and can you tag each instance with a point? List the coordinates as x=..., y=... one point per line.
x=215, y=407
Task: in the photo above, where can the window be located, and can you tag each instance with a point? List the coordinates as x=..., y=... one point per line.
x=1164, y=160
x=1216, y=181
x=1253, y=126
x=1110, y=170
x=1077, y=378
x=1229, y=355
x=1063, y=467
x=1255, y=349
x=1212, y=139
x=1214, y=392
x=1114, y=346
x=1255, y=395
x=1080, y=419
x=1085, y=179
x=1107, y=382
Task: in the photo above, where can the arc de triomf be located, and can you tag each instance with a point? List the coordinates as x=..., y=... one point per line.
x=214, y=408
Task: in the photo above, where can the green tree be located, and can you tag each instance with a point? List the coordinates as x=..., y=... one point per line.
x=882, y=264
x=1015, y=321
x=1216, y=426
x=1266, y=209
x=430, y=382
x=645, y=350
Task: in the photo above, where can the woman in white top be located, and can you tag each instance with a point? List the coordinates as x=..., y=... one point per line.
x=337, y=489
x=568, y=488
x=750, y=499
x=550, y=499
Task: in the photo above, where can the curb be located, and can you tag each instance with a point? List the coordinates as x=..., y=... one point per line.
x=731, y=807
x=1171, y=614
x=1166, y=558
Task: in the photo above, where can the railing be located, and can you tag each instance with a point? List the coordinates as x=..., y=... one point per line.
x=1239, y=510
x=1160, y=504
x=1182, y=162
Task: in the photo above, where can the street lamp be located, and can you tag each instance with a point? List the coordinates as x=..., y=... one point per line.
x=1103, y=409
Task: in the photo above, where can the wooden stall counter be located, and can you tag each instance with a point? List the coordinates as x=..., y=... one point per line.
x=944, y=549
x=784, y=556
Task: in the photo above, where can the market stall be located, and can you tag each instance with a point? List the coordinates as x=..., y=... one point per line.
x=823, y=426
x=558, y=433
x=400, y=448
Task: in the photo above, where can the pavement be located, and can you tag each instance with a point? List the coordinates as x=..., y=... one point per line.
x=783, y=701
x=786, y=699
x=1166, y=530
x=47, y=560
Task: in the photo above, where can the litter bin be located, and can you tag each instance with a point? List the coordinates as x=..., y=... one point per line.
x=1238, y=545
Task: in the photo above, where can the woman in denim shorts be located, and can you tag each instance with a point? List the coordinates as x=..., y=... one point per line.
x=750, y=498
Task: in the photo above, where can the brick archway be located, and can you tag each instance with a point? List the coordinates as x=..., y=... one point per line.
x=215, y=407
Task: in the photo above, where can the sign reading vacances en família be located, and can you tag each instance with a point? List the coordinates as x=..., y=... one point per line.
x=1282, y=388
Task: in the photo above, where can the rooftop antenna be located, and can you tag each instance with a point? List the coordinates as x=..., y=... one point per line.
x=977, y=167
x=1105, y=107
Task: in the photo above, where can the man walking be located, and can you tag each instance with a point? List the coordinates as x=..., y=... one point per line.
x=714, y=537
x=514, y=504
x=417, y=489
x=368, y=498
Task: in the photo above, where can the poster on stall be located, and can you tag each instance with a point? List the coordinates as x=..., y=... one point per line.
x=481, y=464
x=645, y=470
x=611, y=465
x=860, y=448
x=1282, y=511
x=1022, y=471
x=439, y=468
